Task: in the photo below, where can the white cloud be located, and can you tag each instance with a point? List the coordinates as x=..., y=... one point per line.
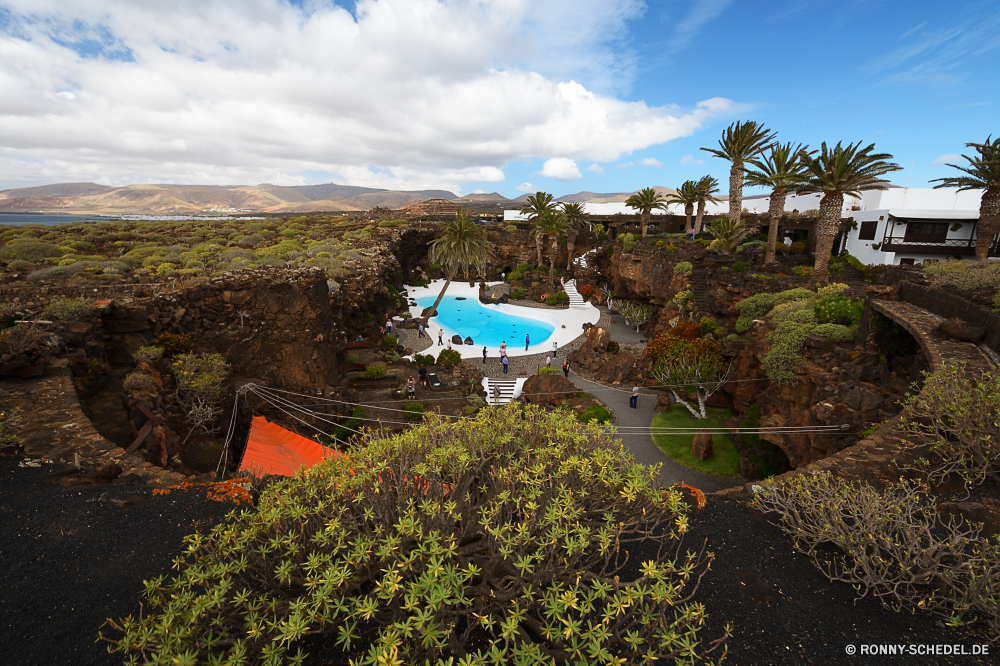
x=596, y=168
x=625, y=165
x=651, y=161
x=525, y=187
x=945, y=159
x=691, y=159
x=561, y=168
x=234, y=93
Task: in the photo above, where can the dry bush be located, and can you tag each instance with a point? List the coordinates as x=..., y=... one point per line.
x=22, y=338
x=892, y=543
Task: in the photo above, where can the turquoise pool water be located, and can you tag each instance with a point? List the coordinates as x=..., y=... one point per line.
x=485, y=324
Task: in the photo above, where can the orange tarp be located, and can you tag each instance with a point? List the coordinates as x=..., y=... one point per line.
x=272, y=449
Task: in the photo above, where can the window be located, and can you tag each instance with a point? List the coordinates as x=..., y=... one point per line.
x=868, y=230
x=906, y=262
x=926, y=232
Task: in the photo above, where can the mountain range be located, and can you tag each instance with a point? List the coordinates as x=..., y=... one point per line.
x=94, y=199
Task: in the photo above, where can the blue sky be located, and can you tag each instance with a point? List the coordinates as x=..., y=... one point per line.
x=600, y=95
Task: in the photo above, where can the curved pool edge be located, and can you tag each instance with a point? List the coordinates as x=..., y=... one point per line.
x=573, y=319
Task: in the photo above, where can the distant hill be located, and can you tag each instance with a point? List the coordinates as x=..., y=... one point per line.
x=482, y=196
x=93, y=199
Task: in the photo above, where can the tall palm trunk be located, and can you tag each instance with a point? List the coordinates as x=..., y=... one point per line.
x=688, y=209
x=553, y=253
x=570, y=246
x=451, y=276
x=539, y=242
x=736, y=191
x=644, y=221
x=700, y=216
x=826, y=231
x=774, y=212
x=989, y=222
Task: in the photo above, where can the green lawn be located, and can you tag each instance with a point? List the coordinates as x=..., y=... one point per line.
x=725, y=459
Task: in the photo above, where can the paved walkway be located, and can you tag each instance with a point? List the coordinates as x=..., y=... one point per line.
x=641, y=445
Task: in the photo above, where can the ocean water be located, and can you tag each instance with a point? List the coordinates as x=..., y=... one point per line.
x=18, y=218
x=485, y=324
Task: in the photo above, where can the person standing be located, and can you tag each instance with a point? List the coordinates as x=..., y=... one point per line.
x=503, y=277
x=423, y=376
x=484, y=355
x=548, y=361
x=388, y=327
x=527, y=341
x=440, y=334
x=565, y=367
x=505, y=363
x=555, y=348
x=420, y=331
x=496, y=394
x=633, y=401
x=449, y=344
x=411, y=388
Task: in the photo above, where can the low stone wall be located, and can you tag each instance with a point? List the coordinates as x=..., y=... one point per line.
x=949, y=305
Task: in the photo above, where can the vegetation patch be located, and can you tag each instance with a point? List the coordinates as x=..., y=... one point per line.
x=69, y=308
x=725, y=459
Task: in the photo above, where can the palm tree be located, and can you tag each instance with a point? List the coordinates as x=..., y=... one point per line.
x=645, y=201
x=780, y=170
x=706, y=188
x=727, y=233
x=983, y=172
x=740, y=142
x=533, y=207
x=462, y=245
x=834, y=173
x=687, y=196
x=575, y=217
x=551, y=223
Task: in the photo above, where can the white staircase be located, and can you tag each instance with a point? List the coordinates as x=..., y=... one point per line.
x=508, y=389
x=575, y=299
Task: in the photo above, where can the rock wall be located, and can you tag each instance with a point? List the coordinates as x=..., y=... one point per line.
x=648, y=271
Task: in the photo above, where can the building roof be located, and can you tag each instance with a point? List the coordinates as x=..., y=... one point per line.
x=917, y=214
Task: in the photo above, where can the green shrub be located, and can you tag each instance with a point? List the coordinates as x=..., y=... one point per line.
x=29, y=250
x=754, y=307
x=549, y=371
x=550, y=299
x=435, y=267
x=414, y=411
x=424, y=359
x=517, y=292
x=375, y=371
x=683, y=268
x=660, y=243
x=138, y=381
x=562, y=295
x=173, y=343
x=390, y=341
x=595, y=413
x=511, y=228
x=69, y=308
x=740, y=266
x=390, y=224
x=628, y=243
x=393, y=357
x=785, y=354
x=515, y=276
x=838, y=310
x=835, y=332
x=449, y=358
x=149, y=354
x=541, y=497
x=20, y=265
x=708, y=325
x=796, y=294
x=782, y=311
x=352, y=358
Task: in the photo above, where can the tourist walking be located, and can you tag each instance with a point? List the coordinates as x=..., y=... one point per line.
x=496, y=394
x=440, y=333
x=503, y=278
x=423, y=376
x=388, y=327
x=411, y=388
x=503, y=348
x=449, y=344
x=505, y=363
x=484, y=355
x=420, y=331
x=527, y=341
x=566, y=368
x=633, y=401
x=548, y=361
x=555, y=348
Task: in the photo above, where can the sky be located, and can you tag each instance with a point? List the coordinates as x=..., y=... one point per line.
x=505, y=96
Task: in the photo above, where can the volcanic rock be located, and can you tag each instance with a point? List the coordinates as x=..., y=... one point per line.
x=548, y=390
x=701, y=445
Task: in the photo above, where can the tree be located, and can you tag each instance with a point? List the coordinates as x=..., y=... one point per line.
x=982, y=172
x=833, y=173
x=575, y=217
x=551, y=223
x=706, y=188
x=645, y=201
x=694, y=366
x=533, y=207
x=779, y=170
x=739, y=142
x=727, y=233
x=687, y=196
x=461, y=245
x=634, y=313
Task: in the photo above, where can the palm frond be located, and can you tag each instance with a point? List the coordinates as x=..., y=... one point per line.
x=844, y=170
x=646, y=200
x=779, y=168
x=461, y=245
x=686, y=195
x=742, y=140
x=983, y=170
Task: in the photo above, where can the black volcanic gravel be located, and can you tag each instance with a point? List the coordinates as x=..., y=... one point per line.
x=69, y=563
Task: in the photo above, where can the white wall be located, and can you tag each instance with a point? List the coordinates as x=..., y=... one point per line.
x=863, y=250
